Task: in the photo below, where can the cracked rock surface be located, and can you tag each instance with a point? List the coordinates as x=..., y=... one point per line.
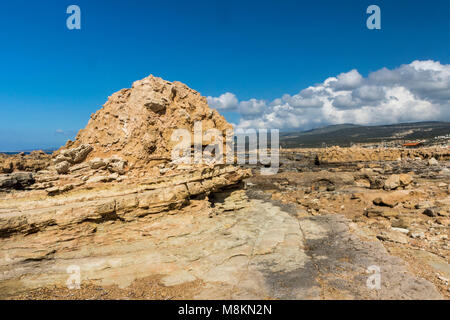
x=258, y=251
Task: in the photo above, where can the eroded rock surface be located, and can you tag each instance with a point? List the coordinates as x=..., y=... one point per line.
x=342, y=155
x=260, y=251
x=136, y=124
x=118, y=170
x=113, y=205
x=33, y=162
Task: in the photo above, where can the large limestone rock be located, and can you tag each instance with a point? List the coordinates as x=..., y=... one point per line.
x=136, y=124
x=118, y=172
x=125, y=146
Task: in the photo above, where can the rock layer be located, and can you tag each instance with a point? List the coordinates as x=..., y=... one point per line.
x=119, y=167
x=355, y=154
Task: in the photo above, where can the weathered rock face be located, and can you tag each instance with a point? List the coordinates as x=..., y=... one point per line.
x=262, y=242
x=125, y=147
x=17, y=180
x=136, y=124
x=121, y=203
x=33, y=162
x=342, y=155
x=397, y=180
x=129, y=138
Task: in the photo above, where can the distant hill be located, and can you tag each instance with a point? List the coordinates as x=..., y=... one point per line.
x=346, y=134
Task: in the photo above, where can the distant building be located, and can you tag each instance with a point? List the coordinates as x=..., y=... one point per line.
x=413, y=145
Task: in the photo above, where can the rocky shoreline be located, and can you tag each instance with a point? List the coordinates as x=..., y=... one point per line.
x=136, y=224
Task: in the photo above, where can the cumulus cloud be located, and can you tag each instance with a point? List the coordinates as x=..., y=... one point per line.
x=226, y=101
x=346, y=81
x=418, y=91
x=229, y=102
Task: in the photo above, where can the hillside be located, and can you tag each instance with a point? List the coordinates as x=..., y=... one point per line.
x=346, y=134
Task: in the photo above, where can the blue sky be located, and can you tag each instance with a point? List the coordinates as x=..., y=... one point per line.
x=53, y=78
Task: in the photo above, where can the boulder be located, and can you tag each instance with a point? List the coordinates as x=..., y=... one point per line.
x=97, y=163
x=405, y=179
x=53, y=191
x=116, y=165
x=393, y=236
x=61, y=158
x=78, y=154
x=17, y=180
x=397, y=180
x=393, y=182
x=431, y=212
x=62, y=167
x=385, y=201
x=6, y=167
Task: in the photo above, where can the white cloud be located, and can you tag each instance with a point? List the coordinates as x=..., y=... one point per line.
x=252, y=107
x=418, y=91
x=226, y=101
x=347, y=81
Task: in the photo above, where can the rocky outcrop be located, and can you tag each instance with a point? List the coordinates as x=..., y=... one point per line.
x=126, y=203
x=183, y=224
x=136, y=124
x=17, y=180
x=32, y=162
x=355, y=154
x=119, y=166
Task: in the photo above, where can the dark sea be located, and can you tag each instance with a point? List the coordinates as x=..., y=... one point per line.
x=27, y=152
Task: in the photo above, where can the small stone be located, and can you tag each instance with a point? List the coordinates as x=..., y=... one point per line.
x=385, y=201
x=401, y=222
x=443, y=279
x=99, y=179
x=371, y=213
x=429, y=212
x=402, y=230
x=405, y=179
x=62, y=167
x=417, y=235
x=393, y=182
x=433, y=162
x=97, y=163
x=58, y=190
x=393, y=236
